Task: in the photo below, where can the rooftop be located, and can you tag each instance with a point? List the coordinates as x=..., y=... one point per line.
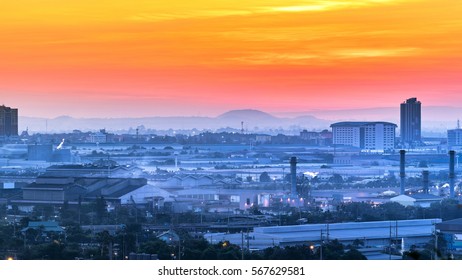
x=264, y=237
x=45, y=226
x=355, y=124
x=451, y=226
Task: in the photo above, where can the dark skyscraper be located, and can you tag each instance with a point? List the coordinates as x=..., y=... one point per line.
x=410, y=121
x=8, y=121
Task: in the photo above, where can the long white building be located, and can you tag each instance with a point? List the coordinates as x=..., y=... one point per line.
x=374, y=234
x=376, y=136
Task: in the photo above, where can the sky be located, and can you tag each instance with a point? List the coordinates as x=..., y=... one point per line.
x=135, y=58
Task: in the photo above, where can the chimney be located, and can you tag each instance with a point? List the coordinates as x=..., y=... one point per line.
x=293, y=176
x=425, y=183
x=402, y=172
x=452, y=174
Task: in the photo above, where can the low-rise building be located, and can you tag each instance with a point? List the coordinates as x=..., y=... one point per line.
x=421, y=200
x=374, y=234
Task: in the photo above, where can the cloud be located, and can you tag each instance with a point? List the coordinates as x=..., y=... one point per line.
x=321, y=57
x=154, y=17
x=303, y=6
x=365, y=53
x=276, y=58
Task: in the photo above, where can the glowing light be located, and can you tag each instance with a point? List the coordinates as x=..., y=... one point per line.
x=311, y=174
x=60, y=146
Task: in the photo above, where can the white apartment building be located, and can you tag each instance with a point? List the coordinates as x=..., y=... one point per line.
x=375, y=136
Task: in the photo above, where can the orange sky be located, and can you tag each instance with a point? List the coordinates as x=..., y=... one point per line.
x=111, y=58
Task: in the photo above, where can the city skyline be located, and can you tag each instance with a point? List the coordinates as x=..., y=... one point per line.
x=119, y=59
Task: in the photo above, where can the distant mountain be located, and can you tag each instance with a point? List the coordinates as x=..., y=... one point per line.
x=67, y=124
x=247, y=114
x=392, y=114
x=254, y=121
x=435, y=119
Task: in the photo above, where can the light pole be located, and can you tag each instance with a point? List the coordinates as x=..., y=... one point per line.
x=242, y=244
x=179, y=248
x=436, y=241
x=202, y=209
x=320, y=246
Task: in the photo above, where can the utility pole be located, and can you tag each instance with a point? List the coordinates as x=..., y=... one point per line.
x=242, y=244
x=179, y=248
x=327, y=237
x=248, y=241
x=320, y=247
x=389, y=249
x=436, y=243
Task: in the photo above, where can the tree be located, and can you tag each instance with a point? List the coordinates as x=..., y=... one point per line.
x=192, y=248
x=303, y=187
x=423, y=164
x=100, y=209
x=417, y=255
x=106, y=240
x=393, y=211
x=209, y=254
x=333, y=250
x=265, y=178
x=357, y=243
x=157, y=246
x=75, y=234
x=51, y=251
x=353, y=254
x=336, y=179
x=254, y=210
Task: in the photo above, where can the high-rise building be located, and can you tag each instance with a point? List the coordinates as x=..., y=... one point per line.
x=410, y=121
x=455, y=136
x=8, y=121
x=377, y=136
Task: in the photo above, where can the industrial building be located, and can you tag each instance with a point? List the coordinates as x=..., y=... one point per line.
x=419, y=199
x=374, y=136
x=452, y=234
x=58, y=190
x=374, y=234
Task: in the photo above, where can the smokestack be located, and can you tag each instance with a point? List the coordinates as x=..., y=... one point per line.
x=402, y=172
x=452, y=174
x=293, y=176
x=425, y=183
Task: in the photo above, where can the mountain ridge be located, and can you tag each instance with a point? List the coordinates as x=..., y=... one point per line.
x=253, y=120
x=435, y=119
